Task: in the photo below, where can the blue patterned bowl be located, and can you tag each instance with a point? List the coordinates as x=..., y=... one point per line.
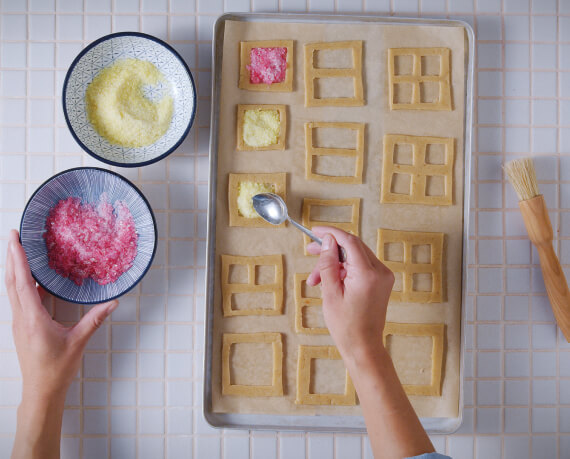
x=101, y=54
x=87, y=183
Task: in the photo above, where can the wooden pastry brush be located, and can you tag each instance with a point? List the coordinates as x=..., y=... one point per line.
x=522, y=176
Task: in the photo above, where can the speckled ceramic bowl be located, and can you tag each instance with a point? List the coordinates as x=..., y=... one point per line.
x=101, y=54
x=86, y=183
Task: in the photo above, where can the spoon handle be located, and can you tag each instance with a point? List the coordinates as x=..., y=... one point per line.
x=318, y=240
x=307, y=231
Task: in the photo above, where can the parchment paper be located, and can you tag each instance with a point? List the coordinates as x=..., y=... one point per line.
x=288, y=241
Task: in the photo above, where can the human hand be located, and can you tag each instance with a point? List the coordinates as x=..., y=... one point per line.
x=49, y=353
x=355, y=293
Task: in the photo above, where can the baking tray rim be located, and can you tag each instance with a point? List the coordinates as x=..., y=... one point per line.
x=322, y=423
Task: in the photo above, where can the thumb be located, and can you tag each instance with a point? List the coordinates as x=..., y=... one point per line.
x=329, y=268
x=91, y=321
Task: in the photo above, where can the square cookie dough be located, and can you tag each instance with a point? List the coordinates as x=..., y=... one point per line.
x=266, y=65
x=261, y=127
x=421, y=175
x=407, y=343
x=252, y=286
x=419, y=78
x=331, y=79
x=242, y=188
x=421, y=275
x=275, y=389
x=304, y=375
x=354, y=153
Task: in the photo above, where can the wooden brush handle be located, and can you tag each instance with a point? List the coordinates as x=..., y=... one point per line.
x=539, y=229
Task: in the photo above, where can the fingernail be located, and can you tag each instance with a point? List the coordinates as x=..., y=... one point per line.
x=11, y=247
x=327, y=242
x=112, y=307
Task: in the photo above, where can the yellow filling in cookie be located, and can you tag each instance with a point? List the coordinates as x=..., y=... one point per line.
x=261, y=127
x=246, y=191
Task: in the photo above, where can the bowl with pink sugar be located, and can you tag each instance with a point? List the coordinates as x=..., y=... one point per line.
x=89, y=235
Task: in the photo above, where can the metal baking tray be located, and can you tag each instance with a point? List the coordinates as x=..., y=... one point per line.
x=346, y=424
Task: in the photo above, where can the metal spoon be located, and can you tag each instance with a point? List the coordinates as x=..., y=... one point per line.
x=273, y=209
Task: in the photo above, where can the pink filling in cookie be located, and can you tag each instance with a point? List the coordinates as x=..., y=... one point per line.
x=90, y=240
x=267, y=65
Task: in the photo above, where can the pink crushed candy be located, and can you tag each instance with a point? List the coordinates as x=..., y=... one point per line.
x=91, y=240
x=268, y=65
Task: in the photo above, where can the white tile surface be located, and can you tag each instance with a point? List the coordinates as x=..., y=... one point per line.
x=517, y=392
x=489, y=364
x=179, y=393
x=320, y=445
x=95, y=421
x=151, y=365
x=544, y=364
x=543, y=420
x=292, y=446
x=461, y=446
x=95, y=448
x=489, y=420
x=151, y=421
x=123, y=393
x=263, y=446
x=150, y=447
x=489, y=393
x=544, y=392
x=516, y=420
x=124, y=421
x=149, y=371
x=123, y=447
x=208, y=447
x=151, y=393
x=517, y=364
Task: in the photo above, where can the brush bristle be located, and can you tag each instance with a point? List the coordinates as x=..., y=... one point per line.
x=522, y=176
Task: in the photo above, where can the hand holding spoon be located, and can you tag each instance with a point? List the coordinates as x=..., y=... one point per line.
x=273, y=209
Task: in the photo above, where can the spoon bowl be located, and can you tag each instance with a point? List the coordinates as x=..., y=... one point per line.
x=273, y=209
x=270, y=207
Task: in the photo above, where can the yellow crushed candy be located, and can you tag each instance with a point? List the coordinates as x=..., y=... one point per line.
x=261, y=127
x=246, y=191
x=118, y=109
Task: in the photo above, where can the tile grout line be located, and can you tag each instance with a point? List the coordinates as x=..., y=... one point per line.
x=196, y=139
x=476, y=238
x=531, y=304
x=138, y=314
x=82, y=308
x=558, y=222
x=167, y=263
x=474, y=329
x=109, y=334
x=503, y=221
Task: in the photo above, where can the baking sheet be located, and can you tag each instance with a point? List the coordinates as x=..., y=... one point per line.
x=244, y=241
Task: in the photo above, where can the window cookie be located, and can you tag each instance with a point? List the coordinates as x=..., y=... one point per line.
x=423, y=176
x=317, y=77
x=303, y=302
x=304, y=394
x=261, y=127
x=421, y=84
x=276, y=387
x=266, y=65
x=417, y=269
x=408, y=369
x=313, y=152
x=254, y=286
x=242, y=187
x=331, y=210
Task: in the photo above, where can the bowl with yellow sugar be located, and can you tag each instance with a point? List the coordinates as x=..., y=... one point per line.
x=129, y=99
